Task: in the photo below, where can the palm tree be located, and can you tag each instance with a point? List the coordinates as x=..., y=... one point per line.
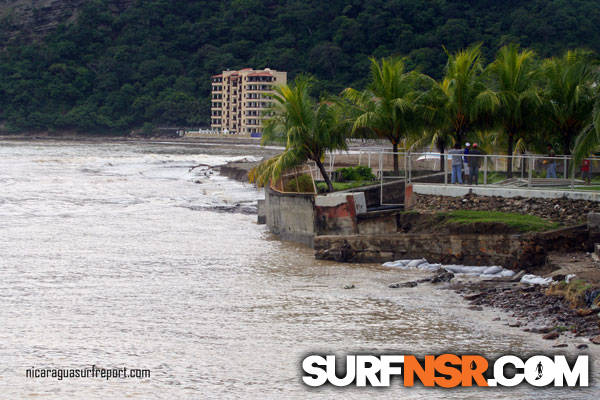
x=588, y=141
x=568, y=96
x=387, y=108
x=461, y=102
x=514, y=74
x=308, y=129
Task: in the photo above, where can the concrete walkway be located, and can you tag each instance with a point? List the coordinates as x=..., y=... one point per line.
x=501, y=191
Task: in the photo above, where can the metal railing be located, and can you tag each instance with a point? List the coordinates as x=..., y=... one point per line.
x=533, y=171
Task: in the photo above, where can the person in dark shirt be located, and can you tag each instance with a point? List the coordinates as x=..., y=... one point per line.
x=474, y=159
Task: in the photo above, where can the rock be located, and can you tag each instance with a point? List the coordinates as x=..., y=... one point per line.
x=476, y=308
x=349, y=287
x=560, y=345
x=514, y=324
x=403, y=284
x=551, y=335
x=595, y=339
x=473, y=296
x=496, y=319
x=527, y=289
x=582, y=346
x=443, y=277
x=584, y=312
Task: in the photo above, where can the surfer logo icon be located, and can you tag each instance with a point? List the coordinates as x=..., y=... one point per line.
x=539, y=370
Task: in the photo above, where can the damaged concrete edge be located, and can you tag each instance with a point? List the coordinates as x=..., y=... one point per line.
x=459, y=191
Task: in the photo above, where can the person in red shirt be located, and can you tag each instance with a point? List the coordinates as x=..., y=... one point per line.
x=586, y=172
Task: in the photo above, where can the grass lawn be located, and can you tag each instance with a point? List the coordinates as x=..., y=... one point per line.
x=337, y=186
x=524, y=223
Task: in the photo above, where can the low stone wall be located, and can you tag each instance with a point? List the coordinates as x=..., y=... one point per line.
x=565, y=211
x=290, y=215
x=510, y=251
x=514, y=251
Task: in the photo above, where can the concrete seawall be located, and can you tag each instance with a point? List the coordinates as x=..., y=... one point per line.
x=290, y=215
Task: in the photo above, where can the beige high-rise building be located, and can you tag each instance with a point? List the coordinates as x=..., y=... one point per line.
x=238, y=99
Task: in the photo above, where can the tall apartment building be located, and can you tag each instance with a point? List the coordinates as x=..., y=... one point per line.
x=238, y=99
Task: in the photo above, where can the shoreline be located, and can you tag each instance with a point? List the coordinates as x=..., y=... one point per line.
x=546, y=319
x=131, y=139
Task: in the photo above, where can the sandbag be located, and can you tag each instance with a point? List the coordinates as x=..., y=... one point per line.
x=416, y=263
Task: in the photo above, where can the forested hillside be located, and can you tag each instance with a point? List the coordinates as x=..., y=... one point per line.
x=111, y=71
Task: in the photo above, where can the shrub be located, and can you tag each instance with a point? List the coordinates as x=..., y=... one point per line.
x=360, y=173
x=302, y=184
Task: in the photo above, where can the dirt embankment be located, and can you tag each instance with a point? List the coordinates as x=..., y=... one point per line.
x=428, y=222
x=237, y=170
x=565, y=211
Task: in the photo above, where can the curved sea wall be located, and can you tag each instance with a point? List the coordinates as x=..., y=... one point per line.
x=291, y=216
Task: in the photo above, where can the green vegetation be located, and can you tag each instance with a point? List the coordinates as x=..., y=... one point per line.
x=523, y=223
x=359, y=173
x=388, y=107
x=574, y=292
x=302, y=184
x=307, y=129
x=114, y=71
x=337, y=186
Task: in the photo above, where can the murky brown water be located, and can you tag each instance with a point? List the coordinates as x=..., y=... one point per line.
x=110, y=255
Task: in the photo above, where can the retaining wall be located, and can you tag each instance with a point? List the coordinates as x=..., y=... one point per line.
x=290, y=215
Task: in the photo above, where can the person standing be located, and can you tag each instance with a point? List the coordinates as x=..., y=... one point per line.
x=586, y=173
x=551, y=169
x=466, y=162
x=457, y=163
x=474, y=164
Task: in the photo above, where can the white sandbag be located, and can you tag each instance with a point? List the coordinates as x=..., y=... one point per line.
x=475, y=270
x=416, y=263
x=535, y=280
x=430, y=267
x=569, y=277
x=454, y=268
x=397, y=263
x=492, y=270
x=506, y=272
x=463, y=269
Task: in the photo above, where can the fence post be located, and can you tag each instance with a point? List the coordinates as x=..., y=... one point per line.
x=521, y=165
x=313, y=178
x=445, y=168
x=565, y=166
x=380, y=180
x=530, y=172
x=369, y=153
x=485, y=167
x=408, y=161
x=573, y=178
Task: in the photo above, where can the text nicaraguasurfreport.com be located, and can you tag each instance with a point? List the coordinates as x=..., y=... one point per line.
x=89, y=372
